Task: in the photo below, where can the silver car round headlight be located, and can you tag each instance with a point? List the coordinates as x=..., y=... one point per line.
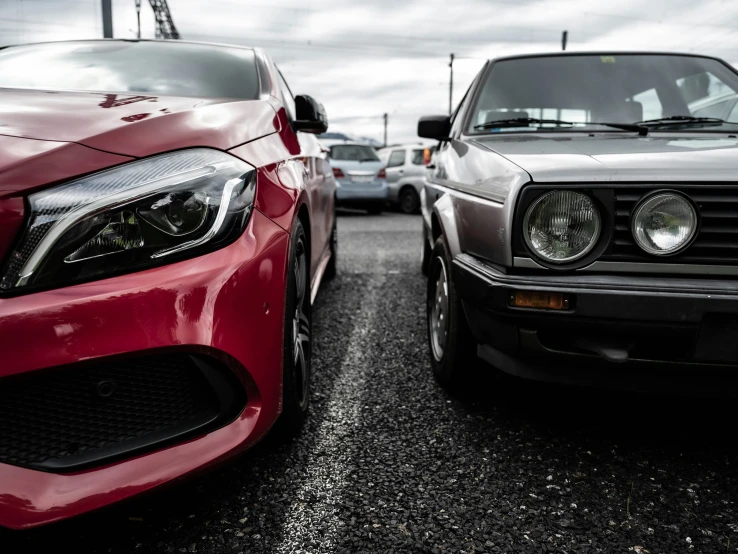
x=562, y=226
x=664, y=223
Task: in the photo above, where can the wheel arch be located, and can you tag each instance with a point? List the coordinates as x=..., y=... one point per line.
x=303, y=215
x=443, y=224
x=408, y=185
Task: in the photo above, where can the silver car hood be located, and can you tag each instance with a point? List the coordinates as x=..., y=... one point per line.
x=620, y=158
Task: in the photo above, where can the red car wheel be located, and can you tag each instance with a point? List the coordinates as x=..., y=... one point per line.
x=297, y=329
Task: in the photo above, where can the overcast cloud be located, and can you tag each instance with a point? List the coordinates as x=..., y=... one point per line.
x=364, y=58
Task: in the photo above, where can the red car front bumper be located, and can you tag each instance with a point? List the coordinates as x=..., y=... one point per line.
x=226, y=304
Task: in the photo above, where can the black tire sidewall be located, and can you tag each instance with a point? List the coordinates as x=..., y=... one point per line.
x=459, y=355
x=332, y=268
x=412, y=193
x=293, y=414
x=425, y=257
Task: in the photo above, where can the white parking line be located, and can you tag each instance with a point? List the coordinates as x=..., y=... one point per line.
x=313, y=520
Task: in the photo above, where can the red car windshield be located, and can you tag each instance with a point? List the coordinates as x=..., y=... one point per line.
x=158, y=68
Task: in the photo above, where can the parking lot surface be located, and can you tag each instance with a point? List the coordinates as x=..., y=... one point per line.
x=389, y=462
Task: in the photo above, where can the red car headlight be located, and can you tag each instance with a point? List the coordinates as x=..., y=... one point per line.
x=144, y=213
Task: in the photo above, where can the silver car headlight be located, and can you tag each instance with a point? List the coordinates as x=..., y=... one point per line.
x=562, y=226
x=664, y=223
x=140, y=214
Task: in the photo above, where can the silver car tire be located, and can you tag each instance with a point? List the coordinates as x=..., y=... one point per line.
x=451, y=344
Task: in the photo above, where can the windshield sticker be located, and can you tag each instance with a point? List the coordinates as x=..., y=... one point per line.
x=607, y=59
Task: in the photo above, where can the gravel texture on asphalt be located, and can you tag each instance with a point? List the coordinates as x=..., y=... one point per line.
x=389, y=462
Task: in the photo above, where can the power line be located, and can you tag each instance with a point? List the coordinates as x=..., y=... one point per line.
x=660, y=21
x=311, y=45
x=45, y=23
x=279, y=27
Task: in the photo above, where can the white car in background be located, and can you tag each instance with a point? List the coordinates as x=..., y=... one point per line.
x=405, y=167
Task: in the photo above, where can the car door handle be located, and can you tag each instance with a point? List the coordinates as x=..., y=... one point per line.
x=401, y=172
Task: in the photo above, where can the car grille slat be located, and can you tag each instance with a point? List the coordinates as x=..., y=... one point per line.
x=79, y=416
x=722, y=230
x=710, y=244
x=710, y=214
x=716, y=241
x=705, y=199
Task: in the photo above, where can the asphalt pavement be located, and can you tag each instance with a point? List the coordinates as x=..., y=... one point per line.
x=389, y=462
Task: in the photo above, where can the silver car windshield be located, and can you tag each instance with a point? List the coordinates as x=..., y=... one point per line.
x=575, y=92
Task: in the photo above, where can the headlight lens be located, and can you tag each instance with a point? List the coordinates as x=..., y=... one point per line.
x=132, y=216
x=562, y=226
x=664, y=223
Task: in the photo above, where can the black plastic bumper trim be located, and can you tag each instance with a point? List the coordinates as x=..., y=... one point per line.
x=603, y=297
x=231, y=398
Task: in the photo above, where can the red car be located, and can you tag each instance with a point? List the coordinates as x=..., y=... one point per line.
x=166, y=218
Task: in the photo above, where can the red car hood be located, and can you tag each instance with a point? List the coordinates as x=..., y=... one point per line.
x=133, y=125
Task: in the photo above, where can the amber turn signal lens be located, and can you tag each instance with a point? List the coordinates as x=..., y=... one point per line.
x=539, y=300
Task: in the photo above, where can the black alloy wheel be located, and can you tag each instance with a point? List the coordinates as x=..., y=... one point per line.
x=297, y=337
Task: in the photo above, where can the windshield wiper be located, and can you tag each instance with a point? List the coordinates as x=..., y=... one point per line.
x=682, y=121
x=642, y=130
x=524, y=121
x=519, y=122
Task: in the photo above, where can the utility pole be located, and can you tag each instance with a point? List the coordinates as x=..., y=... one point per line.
x=451, y=85
x=385, y=128
x=564, y=36
x=107, y=17
x=138, y=18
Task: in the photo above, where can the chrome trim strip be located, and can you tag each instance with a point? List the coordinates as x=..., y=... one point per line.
x=639, y=267
x=527, y=263
x=475, y=192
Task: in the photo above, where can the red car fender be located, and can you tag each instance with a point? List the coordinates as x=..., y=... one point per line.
x=280, y=186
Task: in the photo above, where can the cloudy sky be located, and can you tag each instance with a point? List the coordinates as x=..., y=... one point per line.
x=362, y=58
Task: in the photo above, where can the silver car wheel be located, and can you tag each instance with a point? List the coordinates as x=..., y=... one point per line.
x=438, y=307
x=301, y=328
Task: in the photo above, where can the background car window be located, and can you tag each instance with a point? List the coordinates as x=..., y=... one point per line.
x=650, y=104
x=289, y=100
x=702, y=86
x=733, y=115
x=707, y=95
x=353, y=152
x=418, y=157
x=716, y=108
x=396, y=159
x=156, y=68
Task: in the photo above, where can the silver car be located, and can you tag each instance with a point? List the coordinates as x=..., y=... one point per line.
x=580, y=223
x=360, y=176
x=405, y=166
